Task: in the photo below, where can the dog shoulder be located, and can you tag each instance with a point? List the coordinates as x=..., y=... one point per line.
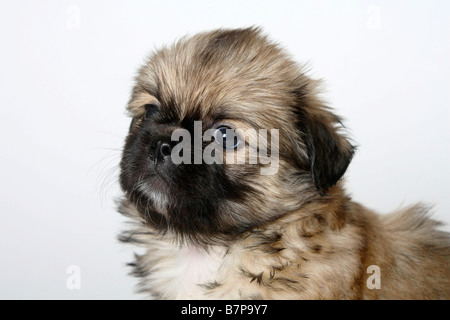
x=413, y=255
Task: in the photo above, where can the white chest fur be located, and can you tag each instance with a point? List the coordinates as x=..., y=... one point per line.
x=181, y=272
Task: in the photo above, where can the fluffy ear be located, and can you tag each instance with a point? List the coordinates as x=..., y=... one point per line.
x=329, y=152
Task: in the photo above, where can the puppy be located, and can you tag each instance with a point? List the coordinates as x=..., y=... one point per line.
x=230, y=230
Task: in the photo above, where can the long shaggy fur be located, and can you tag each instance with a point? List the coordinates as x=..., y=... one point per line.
x=228, y=232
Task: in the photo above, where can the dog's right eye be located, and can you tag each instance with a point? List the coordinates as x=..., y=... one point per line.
x=226, y=137
x=150, y=110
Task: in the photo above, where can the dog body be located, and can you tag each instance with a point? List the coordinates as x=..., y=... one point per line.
x=227, y=231
x=302, y=256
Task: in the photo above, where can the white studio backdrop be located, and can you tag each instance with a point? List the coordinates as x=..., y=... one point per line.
x=66, y=71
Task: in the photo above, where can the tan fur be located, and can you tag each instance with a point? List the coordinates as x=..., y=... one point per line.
x=310, y=240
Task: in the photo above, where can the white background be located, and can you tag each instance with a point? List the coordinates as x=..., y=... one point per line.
x=66, y=71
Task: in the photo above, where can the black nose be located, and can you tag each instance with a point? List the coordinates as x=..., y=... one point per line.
x=160, y=149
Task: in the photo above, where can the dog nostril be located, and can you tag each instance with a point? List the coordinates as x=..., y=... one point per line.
x=159, y=149
x=165, y=149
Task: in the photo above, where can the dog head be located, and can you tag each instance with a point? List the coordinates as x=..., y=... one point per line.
x=249, y=103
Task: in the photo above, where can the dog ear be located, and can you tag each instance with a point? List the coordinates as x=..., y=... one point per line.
x=329, y=151
x=131, y=124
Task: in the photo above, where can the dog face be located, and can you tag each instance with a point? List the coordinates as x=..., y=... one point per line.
x=220, y=85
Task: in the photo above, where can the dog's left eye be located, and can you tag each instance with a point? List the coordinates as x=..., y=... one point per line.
x=150, y=110
x=226, y=137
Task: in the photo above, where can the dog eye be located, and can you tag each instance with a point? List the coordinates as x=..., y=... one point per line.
x=226, y=137
x=150, y=110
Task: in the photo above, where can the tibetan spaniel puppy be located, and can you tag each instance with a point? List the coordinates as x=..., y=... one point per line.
x=231, y=174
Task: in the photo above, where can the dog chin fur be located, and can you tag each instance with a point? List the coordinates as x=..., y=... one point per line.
x=294, y=235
